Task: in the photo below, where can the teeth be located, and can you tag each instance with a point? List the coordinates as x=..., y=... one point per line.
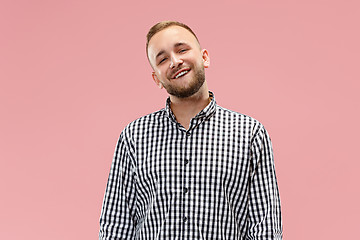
x=180, y=74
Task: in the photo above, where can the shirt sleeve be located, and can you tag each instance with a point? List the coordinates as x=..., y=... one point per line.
x=118, y=214
x=264, y=218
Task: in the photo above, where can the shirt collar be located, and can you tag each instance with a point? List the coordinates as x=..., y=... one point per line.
x=208, y=111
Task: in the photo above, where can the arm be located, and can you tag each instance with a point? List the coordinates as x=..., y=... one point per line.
x=264, y=219
x=118, y=220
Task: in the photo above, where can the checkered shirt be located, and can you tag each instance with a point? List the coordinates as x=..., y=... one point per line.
x=215, y=180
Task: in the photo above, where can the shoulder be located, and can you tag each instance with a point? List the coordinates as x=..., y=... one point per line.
x=145, y=122
x=238, y=117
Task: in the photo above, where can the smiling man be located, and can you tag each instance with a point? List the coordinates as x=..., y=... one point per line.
x=192, y=170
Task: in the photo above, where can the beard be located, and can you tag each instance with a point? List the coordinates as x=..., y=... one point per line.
x=194, y=85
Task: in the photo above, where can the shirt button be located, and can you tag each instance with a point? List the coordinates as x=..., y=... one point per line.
x=188, y=134
x=186, y=161
x=185, y=219
x=186, y=190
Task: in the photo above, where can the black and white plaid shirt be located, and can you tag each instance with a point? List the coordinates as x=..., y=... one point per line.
x=215, y=180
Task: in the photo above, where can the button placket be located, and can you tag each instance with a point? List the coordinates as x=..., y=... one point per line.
x=187, y=171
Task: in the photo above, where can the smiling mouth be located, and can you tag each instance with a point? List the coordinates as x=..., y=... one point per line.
x=180, y=74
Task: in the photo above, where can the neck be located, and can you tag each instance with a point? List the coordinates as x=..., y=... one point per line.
x=185, y=109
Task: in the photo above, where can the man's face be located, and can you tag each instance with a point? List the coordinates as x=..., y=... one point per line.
x=177, y=61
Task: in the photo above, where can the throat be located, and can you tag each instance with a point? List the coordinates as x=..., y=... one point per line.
x=184, y=111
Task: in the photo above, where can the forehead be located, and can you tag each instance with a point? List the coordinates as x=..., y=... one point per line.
x=168, y=37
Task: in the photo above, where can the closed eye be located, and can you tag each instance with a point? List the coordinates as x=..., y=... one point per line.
x=162, y=60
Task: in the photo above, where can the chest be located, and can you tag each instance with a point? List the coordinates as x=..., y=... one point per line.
x=214, y=156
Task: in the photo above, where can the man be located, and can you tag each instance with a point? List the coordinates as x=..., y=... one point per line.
x=192, y=170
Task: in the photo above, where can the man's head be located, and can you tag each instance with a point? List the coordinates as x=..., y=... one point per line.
x=176, y=57
x=163, y=25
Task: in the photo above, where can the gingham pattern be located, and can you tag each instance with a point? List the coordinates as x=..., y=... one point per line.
x=215, y=180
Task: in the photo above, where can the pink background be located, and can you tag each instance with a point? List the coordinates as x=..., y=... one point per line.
x=74, y=73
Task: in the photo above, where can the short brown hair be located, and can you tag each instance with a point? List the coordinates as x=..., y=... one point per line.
x=161, y=26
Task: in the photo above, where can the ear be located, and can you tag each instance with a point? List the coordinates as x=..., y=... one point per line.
x=156, y=80
x=206, y=58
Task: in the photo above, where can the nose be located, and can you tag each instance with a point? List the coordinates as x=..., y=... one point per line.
x=175, y=60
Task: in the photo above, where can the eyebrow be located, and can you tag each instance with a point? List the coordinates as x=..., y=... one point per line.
x=175, y=45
